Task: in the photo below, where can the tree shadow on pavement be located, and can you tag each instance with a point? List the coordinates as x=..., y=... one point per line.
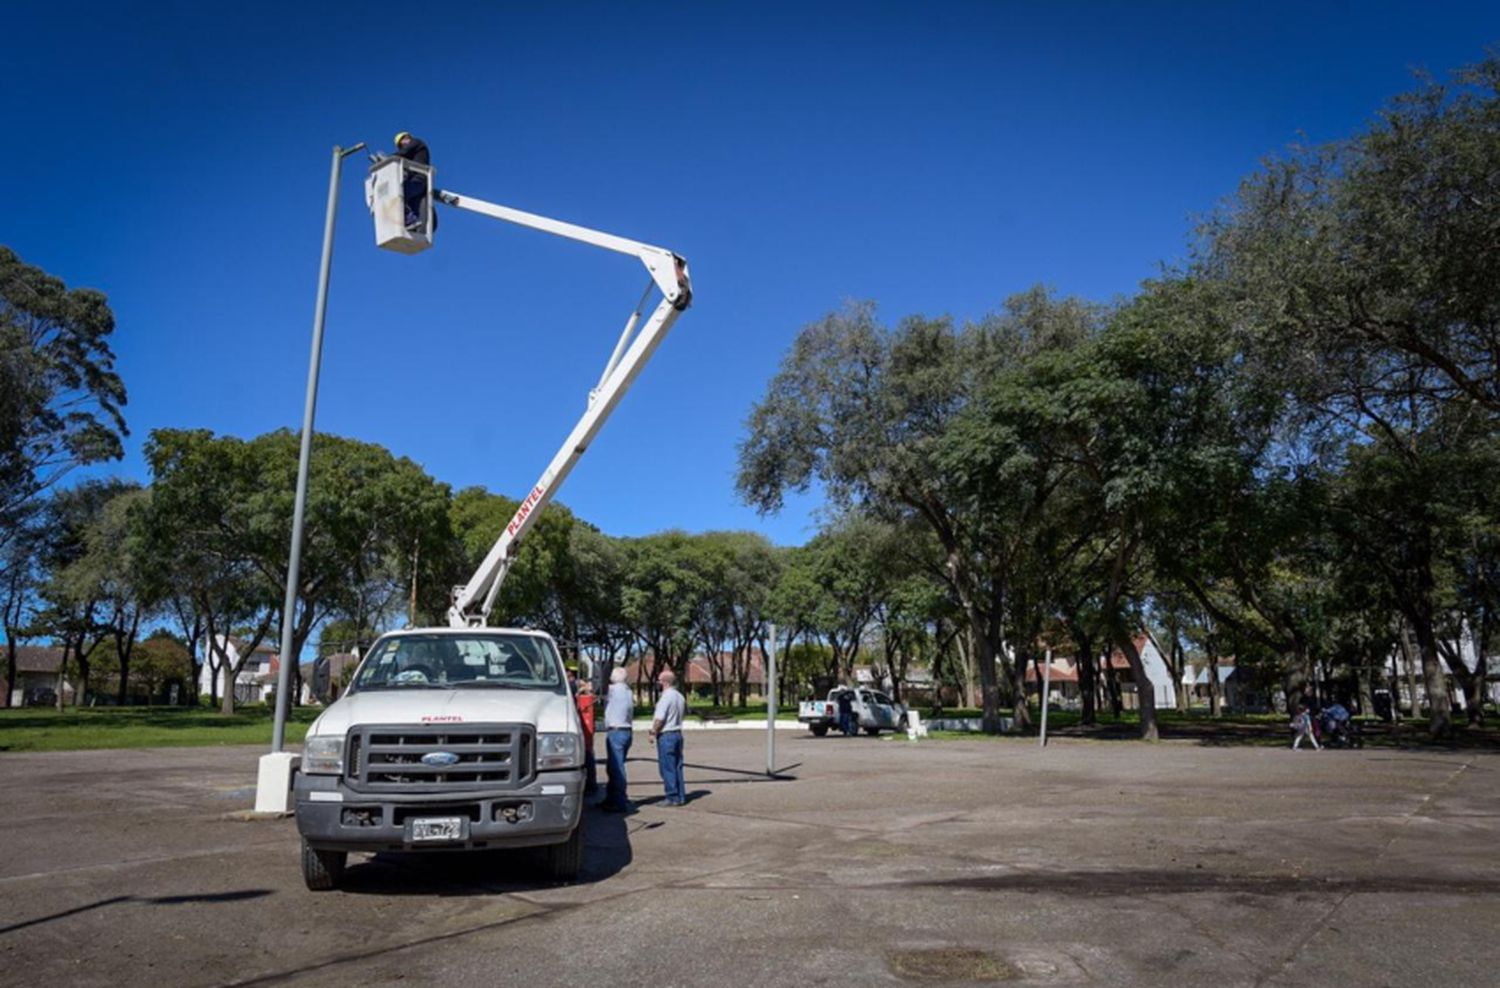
x=1276, y=734
x=158, y=900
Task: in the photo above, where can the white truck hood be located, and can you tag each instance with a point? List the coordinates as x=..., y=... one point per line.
x=549, y=712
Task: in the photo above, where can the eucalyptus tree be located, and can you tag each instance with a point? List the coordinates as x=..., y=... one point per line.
x=117, y=567
x=222, y=509
x=1381, y=245
x=201, y=486
x=370, y=518
x=599, y=564
x=60, y=398
x=658, y=594
x=73, y=586
x=864, y=409
x=1362, y=274
x=19, y=577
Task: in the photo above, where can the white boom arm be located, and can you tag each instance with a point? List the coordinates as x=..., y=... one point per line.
x=473, y=601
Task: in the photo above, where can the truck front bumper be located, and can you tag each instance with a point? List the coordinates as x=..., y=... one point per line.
x=331, y=816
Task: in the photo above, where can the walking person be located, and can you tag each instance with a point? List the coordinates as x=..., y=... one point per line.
x=1302, y=727
x=666, y=731
x=619, y=710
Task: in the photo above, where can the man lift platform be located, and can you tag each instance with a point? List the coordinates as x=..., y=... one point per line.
x=386, y=192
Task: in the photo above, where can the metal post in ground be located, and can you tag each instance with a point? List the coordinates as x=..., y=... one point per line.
x=273, y=784
x=1046, y=694
x=770, y=671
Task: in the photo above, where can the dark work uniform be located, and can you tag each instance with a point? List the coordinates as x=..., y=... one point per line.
x=847, y=723
x=414, y=190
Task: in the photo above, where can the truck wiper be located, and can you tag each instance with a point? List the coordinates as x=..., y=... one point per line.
x=499, y=684
x=406, y=686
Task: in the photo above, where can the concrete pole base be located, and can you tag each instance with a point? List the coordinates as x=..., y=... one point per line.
x=273, y=783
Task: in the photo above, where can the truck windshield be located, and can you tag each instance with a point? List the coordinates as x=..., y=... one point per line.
x=489, y=659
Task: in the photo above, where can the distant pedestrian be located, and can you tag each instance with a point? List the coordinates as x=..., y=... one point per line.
x=1302, y=727
x=847, y=722
x=666, y=730
x=584, y=697
x=619, y=711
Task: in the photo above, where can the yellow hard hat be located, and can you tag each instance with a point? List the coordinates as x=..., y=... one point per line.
x=400, y=137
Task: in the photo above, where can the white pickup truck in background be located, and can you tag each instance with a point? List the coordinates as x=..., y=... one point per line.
x=873, y=711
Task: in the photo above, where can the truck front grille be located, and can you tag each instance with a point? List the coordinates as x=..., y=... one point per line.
x=388, y=758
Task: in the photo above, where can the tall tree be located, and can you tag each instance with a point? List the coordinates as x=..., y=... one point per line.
x=863, y=409
x=60, y=398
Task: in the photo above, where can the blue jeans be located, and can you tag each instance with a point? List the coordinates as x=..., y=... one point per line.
x=616, y=747
x=669, y=760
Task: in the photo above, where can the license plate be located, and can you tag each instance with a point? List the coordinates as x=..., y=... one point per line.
x=437, y=828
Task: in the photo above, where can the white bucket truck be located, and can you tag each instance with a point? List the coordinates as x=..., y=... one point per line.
x=447, y=738
x=466, y=737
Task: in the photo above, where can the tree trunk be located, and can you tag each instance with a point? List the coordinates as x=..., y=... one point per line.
x=81, y=693
x=1179, y=667
x=10, y=666
x=226, y=701
x=1084, y=662
x=1409, y=658
x=1438, y=700
x=1112, y=685
x=1363, y=677
x=1476, y=689
x=125, y=646
x=62, y=673
x=1298, y=676
x=1145, y=692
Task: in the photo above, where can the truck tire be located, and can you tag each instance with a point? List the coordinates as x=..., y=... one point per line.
x=322, y=870
x=872, y=731
x=819, y=730
x=565, y=860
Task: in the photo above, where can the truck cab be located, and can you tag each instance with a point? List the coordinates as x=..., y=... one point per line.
x=448, y=739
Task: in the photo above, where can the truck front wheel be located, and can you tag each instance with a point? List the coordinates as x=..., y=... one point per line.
x=322, y=870
x=565, y=860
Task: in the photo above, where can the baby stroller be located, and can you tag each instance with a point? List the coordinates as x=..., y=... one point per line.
x=1340, y=732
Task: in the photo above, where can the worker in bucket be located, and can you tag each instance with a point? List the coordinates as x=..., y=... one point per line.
x=414, y=189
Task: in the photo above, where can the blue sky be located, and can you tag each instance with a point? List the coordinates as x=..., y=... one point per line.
x=932, y=157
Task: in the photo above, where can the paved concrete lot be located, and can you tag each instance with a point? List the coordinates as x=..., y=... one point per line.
x=876, y=862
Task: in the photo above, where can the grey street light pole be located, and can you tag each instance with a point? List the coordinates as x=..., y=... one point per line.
x=294, y=561
x=768, y=667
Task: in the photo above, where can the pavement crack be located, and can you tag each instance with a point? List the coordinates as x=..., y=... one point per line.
x=1322, y=922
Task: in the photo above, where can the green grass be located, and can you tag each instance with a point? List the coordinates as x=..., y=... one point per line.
x=703, y=708
x=39, y=729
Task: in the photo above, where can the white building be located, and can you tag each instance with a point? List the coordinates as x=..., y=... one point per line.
x=1396, y=668
x=256, y=680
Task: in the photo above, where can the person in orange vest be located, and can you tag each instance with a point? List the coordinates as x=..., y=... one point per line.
x=584, y=697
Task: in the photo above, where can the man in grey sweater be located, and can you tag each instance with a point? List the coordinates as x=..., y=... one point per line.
x=619, y=711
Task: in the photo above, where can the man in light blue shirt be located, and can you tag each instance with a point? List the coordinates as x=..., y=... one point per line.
x=619, y=710
x=666, y=730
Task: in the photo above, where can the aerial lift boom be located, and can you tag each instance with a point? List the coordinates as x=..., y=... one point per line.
x=473, y=601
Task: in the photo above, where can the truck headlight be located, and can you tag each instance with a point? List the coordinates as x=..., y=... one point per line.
x=323, y=755
x=558, y=751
